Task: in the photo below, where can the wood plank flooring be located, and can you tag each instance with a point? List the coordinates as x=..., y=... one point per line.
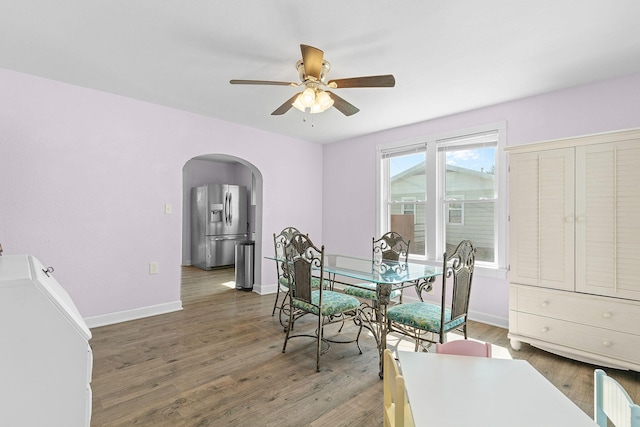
x=219, y=362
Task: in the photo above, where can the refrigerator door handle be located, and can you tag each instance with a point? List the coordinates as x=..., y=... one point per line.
x=230, y=210
x=226, y=208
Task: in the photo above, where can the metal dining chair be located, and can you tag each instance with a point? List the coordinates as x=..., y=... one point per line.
x=422, y=320
x=304, y=266
x=279, y=243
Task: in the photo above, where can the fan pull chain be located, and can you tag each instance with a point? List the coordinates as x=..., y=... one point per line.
x=304, y=120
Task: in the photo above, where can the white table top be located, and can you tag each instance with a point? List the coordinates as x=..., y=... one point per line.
x=446, y=390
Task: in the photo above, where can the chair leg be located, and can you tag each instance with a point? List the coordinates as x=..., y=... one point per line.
x=284, y=309
x=359, y=332
x=288, y=329
x=275, y=303
x=319, y=349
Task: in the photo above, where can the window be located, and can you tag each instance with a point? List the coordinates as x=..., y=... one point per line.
x=441, y=189
x=406, y=199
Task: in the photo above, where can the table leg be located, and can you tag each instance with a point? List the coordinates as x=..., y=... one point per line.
x=384, y=293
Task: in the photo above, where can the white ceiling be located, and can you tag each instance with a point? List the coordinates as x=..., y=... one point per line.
x=447, y=56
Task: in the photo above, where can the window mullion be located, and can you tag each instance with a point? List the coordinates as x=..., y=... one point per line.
x=432, y=217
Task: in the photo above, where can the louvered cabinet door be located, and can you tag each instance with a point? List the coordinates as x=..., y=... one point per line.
x=541, y=212
x=607, y=219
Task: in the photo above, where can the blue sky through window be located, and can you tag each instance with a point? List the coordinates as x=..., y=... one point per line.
x=402, y=163
x=479, y=159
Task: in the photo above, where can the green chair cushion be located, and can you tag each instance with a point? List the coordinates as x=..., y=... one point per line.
x=284, y=282
x=332, y=303
x=369, y=293
x=422, y=315
x=315, y=282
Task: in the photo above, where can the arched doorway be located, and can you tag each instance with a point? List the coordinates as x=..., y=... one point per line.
x=222, y=168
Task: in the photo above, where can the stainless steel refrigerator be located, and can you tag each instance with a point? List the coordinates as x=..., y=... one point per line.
x=218, y=221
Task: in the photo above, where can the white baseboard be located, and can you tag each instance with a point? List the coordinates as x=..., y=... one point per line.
x=139, y=313
x=489, y=319
x=266, y=289
x=136, y=313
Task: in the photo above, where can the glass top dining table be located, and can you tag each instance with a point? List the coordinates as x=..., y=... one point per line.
x=396, y=273
x=388, y=276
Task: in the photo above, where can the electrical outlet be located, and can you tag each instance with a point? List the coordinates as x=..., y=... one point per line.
x=168, y=209
x=153, y=268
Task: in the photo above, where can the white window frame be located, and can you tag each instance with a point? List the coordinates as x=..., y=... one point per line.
x=434, y=215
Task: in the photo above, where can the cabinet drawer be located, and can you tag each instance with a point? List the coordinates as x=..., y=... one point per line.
x=595, y=340
x=603, y=312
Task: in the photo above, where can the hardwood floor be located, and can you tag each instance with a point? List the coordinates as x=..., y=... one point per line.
x=219, y=362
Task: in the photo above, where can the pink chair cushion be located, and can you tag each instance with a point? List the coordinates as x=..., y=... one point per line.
x=465, y=348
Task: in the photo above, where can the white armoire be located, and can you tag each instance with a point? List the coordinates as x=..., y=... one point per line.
x=574, y=247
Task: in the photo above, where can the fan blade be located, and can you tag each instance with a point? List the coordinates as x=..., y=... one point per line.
x=386, y=80
x=262, y=82
x=312, y=60
x=343, y=106
x=286, y=106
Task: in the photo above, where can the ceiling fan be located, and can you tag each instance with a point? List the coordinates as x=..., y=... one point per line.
x=313, y=70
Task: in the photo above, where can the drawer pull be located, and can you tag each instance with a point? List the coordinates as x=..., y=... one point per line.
x=607, y=343
x=606, y=315
x=544, y=304
x=544, y=329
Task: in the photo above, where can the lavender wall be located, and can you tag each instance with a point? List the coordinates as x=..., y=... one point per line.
x=85, y=177
x=350, y=166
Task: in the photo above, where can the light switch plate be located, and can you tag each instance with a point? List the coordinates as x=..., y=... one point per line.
x=153, y=268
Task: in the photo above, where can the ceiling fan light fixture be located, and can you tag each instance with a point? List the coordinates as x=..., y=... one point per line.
x=322, y=103
x=324, y=100
x=308, y=97
x=298, y=103
x=315, y=108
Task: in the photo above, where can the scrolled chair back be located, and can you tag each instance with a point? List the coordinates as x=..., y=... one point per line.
x=459, y=266
x=279, y=242
x=303, y=258
x=390, y=247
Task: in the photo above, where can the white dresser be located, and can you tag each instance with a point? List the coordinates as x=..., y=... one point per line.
x=574, y=247
x=45, y=357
